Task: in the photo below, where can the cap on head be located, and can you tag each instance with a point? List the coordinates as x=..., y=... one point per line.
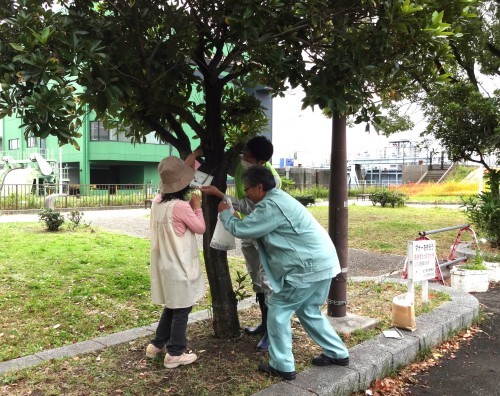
x=174, y=175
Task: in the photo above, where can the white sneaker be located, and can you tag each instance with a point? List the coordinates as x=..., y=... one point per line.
x=176, y=361
x=152, y=351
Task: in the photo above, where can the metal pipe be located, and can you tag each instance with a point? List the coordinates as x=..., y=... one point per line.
x=424, y=233
x=457, y=260
x=338, y=216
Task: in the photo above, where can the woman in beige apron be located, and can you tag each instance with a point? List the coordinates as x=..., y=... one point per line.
x=176, y=275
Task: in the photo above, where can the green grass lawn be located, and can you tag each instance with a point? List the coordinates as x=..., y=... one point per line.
x=437, y=199
x=387, y=230
x=58, y=288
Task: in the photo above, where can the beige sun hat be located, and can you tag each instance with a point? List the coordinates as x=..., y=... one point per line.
x=174, y=175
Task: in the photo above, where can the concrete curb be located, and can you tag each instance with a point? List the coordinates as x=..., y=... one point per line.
x=369, y=360
x=377, y=357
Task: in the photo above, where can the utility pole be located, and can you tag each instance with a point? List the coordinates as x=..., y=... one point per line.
x=337, y=215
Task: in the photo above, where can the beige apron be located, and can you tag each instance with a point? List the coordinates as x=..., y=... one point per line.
x=176, y=275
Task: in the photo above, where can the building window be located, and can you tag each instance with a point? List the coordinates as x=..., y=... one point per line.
x=32, y=142
x=13, y=144
x=99, y=133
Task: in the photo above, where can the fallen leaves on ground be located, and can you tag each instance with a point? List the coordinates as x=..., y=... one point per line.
x=396, y=386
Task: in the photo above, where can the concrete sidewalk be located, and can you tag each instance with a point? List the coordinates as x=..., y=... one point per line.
x=369, y=360
x=474, y=369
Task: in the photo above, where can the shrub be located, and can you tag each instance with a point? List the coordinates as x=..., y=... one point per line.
x=386, y=197
x=317, y=191
x=477, y=264
x=484, y=212
x=354, y=192
x=76, y=218
x=52, y=218
x=303, y=197
x=287, y=184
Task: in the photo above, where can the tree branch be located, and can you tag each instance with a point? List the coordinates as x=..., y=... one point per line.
x=469, y=69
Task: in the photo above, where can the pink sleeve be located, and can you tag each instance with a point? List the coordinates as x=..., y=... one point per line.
x=157, y=198
x=184, y=217
x=195, y=165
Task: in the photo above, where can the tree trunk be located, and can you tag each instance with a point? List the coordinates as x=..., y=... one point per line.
x=224, y=303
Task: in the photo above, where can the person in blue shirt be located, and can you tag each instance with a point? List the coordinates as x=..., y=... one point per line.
x=300, y=261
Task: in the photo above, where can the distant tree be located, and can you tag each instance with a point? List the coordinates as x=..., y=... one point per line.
x=465, y=122
x=461, y=113
x=464, y=115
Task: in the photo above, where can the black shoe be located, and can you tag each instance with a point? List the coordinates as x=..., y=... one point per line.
x=260, y=329
x=323, y=360
x=267, y=368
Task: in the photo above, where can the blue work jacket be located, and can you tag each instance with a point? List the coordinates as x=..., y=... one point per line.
x=293, y=246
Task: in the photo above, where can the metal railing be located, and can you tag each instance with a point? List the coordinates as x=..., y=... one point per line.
x=25, y=197
x=33, y=196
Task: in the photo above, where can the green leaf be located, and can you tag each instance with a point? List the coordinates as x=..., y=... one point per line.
x=46, y=33
x=17, y=47
x=248, y=13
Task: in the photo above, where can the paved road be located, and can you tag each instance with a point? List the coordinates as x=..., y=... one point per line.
x=475, y=370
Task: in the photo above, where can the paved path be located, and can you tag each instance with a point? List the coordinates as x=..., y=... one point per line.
x=475, y=369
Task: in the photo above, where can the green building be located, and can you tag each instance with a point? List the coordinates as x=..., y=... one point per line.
x=105, y=156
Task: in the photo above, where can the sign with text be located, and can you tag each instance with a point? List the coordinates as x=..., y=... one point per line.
x=421, y=260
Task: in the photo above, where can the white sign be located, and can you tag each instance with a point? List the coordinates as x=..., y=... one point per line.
x=421, y=260
x=201, y=179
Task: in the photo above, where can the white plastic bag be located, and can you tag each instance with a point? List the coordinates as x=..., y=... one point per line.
x=222, y=239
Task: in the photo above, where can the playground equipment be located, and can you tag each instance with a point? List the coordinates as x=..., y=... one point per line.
x=35, y=171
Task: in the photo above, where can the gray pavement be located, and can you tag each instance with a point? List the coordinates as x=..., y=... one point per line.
x=369, y=360
x=475, y=367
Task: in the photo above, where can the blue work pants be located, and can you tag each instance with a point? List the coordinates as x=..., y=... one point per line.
x=305, y=303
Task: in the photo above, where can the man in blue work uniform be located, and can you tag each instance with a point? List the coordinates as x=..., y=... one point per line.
x=300, y=260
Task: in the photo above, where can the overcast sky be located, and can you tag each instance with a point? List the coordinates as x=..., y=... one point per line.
x=308, y=132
